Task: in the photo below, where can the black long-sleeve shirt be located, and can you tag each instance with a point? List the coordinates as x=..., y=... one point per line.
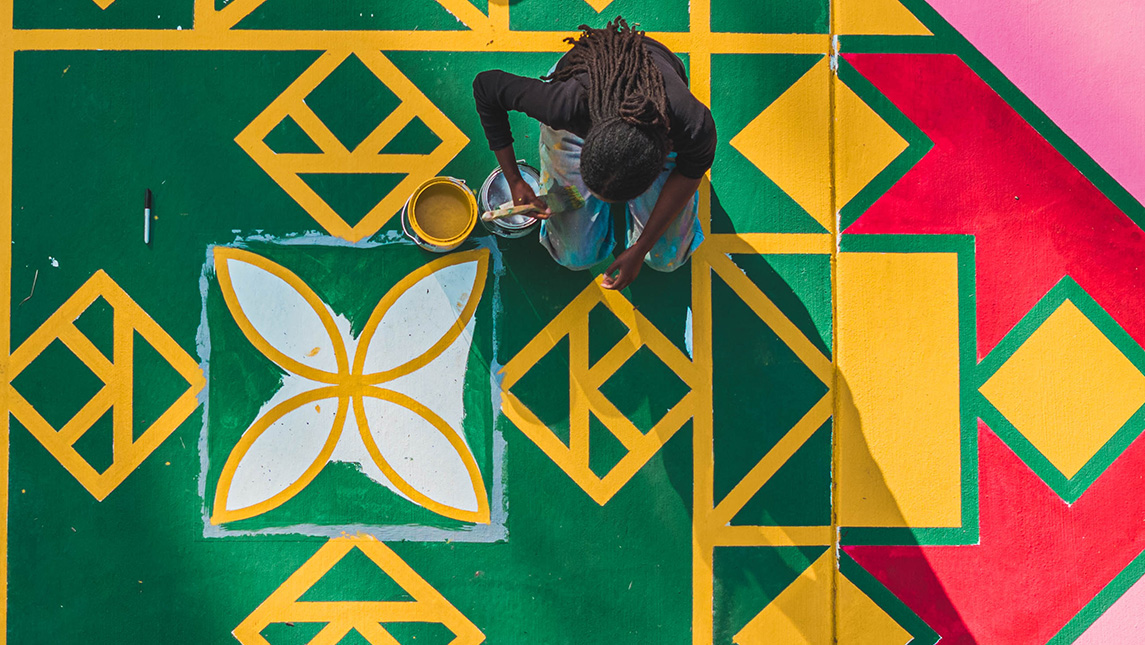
x=563, y=105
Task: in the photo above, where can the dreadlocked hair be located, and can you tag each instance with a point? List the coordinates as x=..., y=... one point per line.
x=627, y=143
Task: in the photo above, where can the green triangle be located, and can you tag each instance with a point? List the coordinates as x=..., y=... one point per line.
x=96, y=446
x=644, y=389
x=665, y=299
x=799, y=493
x=57, y=384
x=352, y=102
x=749, y=578
x=352, y=195
x=604, y=449
x=356, y=578
x=420, y=633
x=414, y=139
x=289, y=138
x=604, y=331
x=97, y=323
x=291, y=633
x=800, y=285
x=544, y=389
x=354, y=638
x=760, y=388
x=744, y=200
x=156, y=385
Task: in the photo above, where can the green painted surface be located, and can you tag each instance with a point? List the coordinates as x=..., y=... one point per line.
x=414, y=139
x=86, y=14
x=40, y=384
x=95, y=446
x=288, y=138
x=351, y=101
x=799, y=493
x=352, y=195
x=94, y=129
x=800, y=285
x=771, y=16
x=644, y=389
x=95, y=323
x=567, y=15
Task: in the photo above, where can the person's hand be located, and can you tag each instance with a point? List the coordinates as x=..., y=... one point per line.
x=626, y=267
x=523, y=194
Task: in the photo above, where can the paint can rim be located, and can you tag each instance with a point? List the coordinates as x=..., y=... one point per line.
x=502, y=227
x=420, y=233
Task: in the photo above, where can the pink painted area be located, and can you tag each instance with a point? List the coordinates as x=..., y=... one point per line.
x=1081, y=61
x=1121, y=624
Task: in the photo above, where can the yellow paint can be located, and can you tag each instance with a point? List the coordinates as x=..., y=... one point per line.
x=440, y=214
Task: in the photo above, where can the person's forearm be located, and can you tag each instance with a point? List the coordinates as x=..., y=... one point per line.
x=674, y=196
x=507, y=158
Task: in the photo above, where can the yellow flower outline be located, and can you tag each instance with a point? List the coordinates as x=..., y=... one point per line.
x=350, y=385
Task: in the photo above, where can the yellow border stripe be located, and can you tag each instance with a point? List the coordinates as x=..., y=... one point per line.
x=772, y=243
x=773, y=536
x=496, y=40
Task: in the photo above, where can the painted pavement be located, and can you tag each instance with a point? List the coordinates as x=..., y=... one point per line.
x=896, y=396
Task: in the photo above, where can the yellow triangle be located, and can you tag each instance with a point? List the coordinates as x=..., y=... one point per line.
x=790, y=143
x=598, y=5
x=103, y=4
x=862, y=622
x=800, y=615
x=876, y=17
x=864, y=144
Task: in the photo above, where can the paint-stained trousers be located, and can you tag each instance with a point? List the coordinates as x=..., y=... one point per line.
x=583, y=238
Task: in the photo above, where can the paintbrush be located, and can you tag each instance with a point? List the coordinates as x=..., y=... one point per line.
x=558, y=200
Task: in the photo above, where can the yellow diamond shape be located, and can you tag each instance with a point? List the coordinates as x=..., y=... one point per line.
x=367, y=618
x=118, y=391
x=790, y=142
x=1067, y=389
x=365, y=158
x=585, y=398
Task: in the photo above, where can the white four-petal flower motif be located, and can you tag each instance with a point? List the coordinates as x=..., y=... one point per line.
x=389, y=400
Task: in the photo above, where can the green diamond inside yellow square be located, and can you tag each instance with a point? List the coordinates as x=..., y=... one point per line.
x=1067, y=389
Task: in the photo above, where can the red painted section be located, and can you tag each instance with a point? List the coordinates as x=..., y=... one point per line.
x=1039, y=561
x=1035, y=217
